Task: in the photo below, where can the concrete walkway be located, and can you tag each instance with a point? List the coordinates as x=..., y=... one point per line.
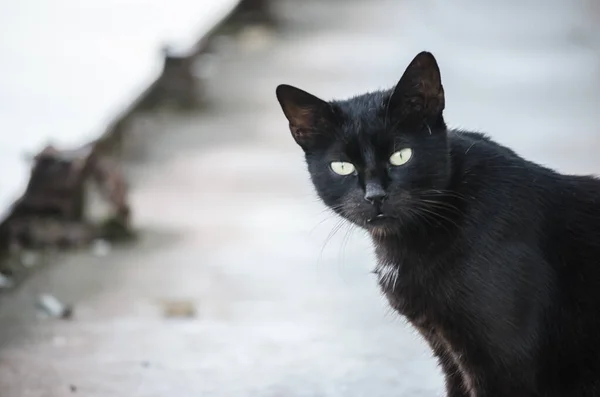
x=229, y=220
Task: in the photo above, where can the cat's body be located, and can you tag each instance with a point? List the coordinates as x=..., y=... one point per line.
x=507, y=292
x=494, y=259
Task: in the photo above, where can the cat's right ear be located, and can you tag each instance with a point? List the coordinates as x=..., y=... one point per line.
x=419, y=93
x=309, y=117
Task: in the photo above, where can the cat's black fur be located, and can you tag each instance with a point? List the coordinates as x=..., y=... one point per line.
x=494, y=259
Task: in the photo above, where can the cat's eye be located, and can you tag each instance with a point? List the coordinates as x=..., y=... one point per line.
x=401, y=157
x=342, y=168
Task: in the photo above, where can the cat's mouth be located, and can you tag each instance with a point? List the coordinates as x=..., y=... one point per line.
x=379, y=219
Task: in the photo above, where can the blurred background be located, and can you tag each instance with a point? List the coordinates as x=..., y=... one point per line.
x=160, y=235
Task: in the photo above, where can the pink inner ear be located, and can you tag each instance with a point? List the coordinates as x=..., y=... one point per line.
x=296, y=132
x=302, y=132
x=301, y=117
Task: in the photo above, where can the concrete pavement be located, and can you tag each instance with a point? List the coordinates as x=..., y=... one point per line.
x=229, y=220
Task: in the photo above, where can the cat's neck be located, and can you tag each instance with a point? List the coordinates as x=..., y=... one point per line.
x=419, y=244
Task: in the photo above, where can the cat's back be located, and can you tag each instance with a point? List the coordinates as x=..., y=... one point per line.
x=488, y=166
x=556, y=218
x=563, y=207
x=556, y=215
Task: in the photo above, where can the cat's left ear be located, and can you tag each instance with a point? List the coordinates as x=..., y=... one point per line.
x=309, y=116
x=419, y=93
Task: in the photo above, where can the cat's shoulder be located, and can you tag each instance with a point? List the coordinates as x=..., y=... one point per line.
x=476, y=150
x=477, y=147
x=469, y=139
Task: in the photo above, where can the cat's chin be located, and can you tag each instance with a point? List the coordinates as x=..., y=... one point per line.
x=382, y=225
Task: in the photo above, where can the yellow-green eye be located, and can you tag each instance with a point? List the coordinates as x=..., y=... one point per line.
x=401, y=157
x=342, y=168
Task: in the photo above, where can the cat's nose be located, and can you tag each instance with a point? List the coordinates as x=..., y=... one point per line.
x=374, y=193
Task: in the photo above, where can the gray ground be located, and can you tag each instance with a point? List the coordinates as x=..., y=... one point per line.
x=229, y=220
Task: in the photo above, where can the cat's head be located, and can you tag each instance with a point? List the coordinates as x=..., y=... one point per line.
x=375, y=158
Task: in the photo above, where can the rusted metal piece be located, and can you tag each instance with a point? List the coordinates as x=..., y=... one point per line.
x=54, y=187
x=177, y=83
x=257, y=11
x=111, y=184
x=55, y=208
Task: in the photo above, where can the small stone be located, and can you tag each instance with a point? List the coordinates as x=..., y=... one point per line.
x=101, y=247
x=255, y=38
x=29, y=259
x=6, y=282
x=179, y=309
x=53, y=307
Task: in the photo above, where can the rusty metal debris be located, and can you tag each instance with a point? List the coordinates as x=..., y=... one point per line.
x=72, y=198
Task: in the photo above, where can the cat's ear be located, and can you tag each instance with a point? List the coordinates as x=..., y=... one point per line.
x=419, y=94
x=309, y=116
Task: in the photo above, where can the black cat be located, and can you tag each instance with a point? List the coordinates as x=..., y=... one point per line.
x=494, y=259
